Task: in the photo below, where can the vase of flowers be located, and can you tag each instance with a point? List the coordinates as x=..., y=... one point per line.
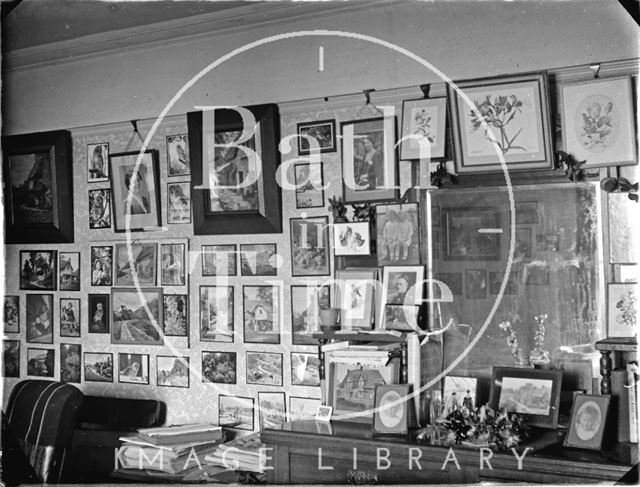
x=538, y=356
x=512, y=342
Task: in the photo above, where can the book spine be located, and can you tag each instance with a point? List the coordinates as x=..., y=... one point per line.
x=632, y=386
x=413, y=368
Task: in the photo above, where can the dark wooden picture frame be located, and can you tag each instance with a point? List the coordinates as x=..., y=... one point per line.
x=315, y=129
x=588, y=421
x=267, y=373
x=98, y=373
x=386, y=418
x=32, y=264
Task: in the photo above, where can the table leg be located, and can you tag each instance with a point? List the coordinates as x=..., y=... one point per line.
x=606, y=365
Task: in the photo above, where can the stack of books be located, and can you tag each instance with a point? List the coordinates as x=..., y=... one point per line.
x=244, y=453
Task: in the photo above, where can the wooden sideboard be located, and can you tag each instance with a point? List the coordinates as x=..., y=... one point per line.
x=316, y=452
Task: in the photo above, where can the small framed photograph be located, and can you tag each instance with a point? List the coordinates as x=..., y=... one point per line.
x=323, y=134
x=102, y=265
x=216, y=313
x=537, y=275
x=475, y=283
x=99, y=313
x=392, y=409
x=69, y=271
x=453, y=281
x=11, y=358
x=355, y=293
x=179, y=202
x=12, y=314
x=305, y=369
x=38, y=270
x=402, y=285
x=178, y=155
x=40, y=318
x=459, y=392
x=306, y=303
x=261, y=311
x=303, y=407
x=495, y=281
x=309, y=182
x=264, y=368
x=522, y=245
x=271, y=409
x=137, y=316
x=173, y=264
x=259, y=260
x=352, y=238
x=99, y=208
x=622, y=309
x=401, y=318
x=468, y=234
x=588, y=421
x=98, y=162
x=219, y=367
x=548, y=243
x=70, y=362
x=176, y=312
x=70, y=317
x=98, y=367
x=310, y=246
x=424, y=124
x=139, y=257
x=219, y=260
x=133, y=368
x=172, y=371
x=235, y=412
x=526, y=212
x=324, y=413
x=398, y=234
x=40, y=362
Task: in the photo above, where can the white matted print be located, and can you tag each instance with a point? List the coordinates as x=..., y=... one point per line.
x=178, y=155
x=423, y=125
x=271, y=409
x=98, y=162
x=398, y=234
x=235, y=412
x=352, y=238
x=303, y=407
x=622, y=307
x=133, y=368
x=355, y=292
x=172, y=371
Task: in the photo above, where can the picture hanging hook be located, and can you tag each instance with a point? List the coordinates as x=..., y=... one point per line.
x=426, y=88
x=367, y=96
x=134, y=124
x=596, y=70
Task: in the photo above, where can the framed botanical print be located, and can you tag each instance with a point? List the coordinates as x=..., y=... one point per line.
x=137, y=316
x=69, y=271
x=98, y=162
x=139, y=257
x=216, y=313
x=178, y=155
x=38, y=270
x=99, y=208
x=354, y=295
x=622, y=309
x=424, y=129
x=322, y=132
x=310, y=246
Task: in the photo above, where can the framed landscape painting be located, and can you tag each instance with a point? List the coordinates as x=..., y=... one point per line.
x=219, y=367
x=261, y=308
x=219, y=260
x=139, y=257
x=236, y=412
x=98, y=367
x=69, y=271
x=271, y=408
x=264, y=368
x=309, y=185
x=172, y=371
x=38, y=270
x=137, y=320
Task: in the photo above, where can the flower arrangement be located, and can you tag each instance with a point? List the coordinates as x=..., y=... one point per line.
x=338, y=209
x=512, y=340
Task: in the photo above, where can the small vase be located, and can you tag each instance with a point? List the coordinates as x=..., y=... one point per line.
x=329, y=318
x=539, y=359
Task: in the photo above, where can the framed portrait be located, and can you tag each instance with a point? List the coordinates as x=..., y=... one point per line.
x=306, y=303
x=219, y=260
x=459, y=392
x=475, y=283
x=453, y=281
x=70, y=362
x=323, y=134
x=398, y=234
x=509, y=116
x=234, y=192
x=598, y=122
x=622, y=309
x=39, y=318
x=532, y=393
x=70, y=317
x=38, y=270
x=11, y=314
x=402, y=285
x=235, y=412
x=495, y=281
x=69, y=271
x=41, y=362
x=522, y=245
x=261, y=311
x=351, y=238
x=172, y=371
x=216, y=314
x=401, y=318
x=11, y=358
x=309, y=182
x=369, y=160
x=272, y=412
x=305, y=369
x=526, y=212
x=178, y=155
x=588, y=421
x=219, y=367
x=98, y=367
x=310, y=246
x=468, y=234
x=264, y=368
x=176, y=312
x=136, y=191
x=139, y=257
x=354, y=295
x=424, y=124
x=393, y=409
x=173, y=264
x=102, y=265
x=99, y=208
x=137, y=316
x=37, y=173
x=178, y=203
x=99, y=315
x=259, y=260
x=98, y=162
x=303, y=407
x=133, y=368
x=537, y=275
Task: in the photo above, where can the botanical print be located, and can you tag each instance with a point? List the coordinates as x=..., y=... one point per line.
x=133, y=368
x=423, y=126
x=355, y=296
x=398, y=234
x=178, y=203
x=259, y=260
x=98, y=162
x=172, y=371
x=99, y=208
x=235, y=412
x=141, y=258
x=98, y=367
x=101, y=266
x=70, y=363
x=175, y=315
x=309, y=185
x=11, y=314
x=305, y=369
x=40, y=362
x=351, y=238
x=173, y=269
x=623, y=309
x=261, y=305
x=11, y=358
x=38, y=270
x=272, y=413
x=69, y=317
x=99, y=313
x=30, y=177
x=178, y=155
x=310, y=246
x=135, y=321
x=219, y=367
x=40, y=318
x=69, y=271
x=264, y=368
x=219, y=260
x=216, y=313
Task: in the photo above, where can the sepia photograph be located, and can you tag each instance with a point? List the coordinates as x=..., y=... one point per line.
x=179, y=203
x=99, y=313
x=398, y=234
x=178, y=155
x=98, y=162
x=310, y=246
x=259, y=260
x=137, y=316
x=402, y=285
x=11, y=314
x=219, y=260
x=138, y=258
x=323, y=134
x=40, y=362
x=459, y=393
x=70, y=317
x=38, y=270
x=175, y=315
x=98, y=367
x=133, y=368
x=99, y=208
x=70, y=362
x=309, y=183
x=219, y=367
x=172, y=371
x=526, y=395
x=216, y=313
x=261, y=310
x=39, y=318
x=264, y=368
x=101, y=266
x=235, y=412
x=587, y=426
x=69, y=271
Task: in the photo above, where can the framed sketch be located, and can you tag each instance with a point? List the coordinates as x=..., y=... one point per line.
x=369, y=160
x=176, y=313
x=37, y=173
x=259, y=260
x=216, y=313
x=354, y=295
x=136, y=191
x=303, y=407
x=475, y=283
x=598, y=122
x=235, y=412
x=234, y=192
x=309, y=183
x=40, y=362
x=323, y=134
x=70, y=362
x=264, y=368
x=306, y=303
x=219, y=367
x=11, y=358
x=38, y=270
x=178, y=203
x=310, y=246
x=305, y=369
x=402, y=285
x=398, y=234
x=69, y=271
x=588, y=421
x=172, y=371
x=178, y=155
x=11, y=314
x=459, y=392
x=141, y=258
x=39, y=318
x=526, y=212
x=509, y=117
x=137, y=316
x=392, y=409
x=471, y=234
x=99, y=313
x=102, y=265
x=324, y=413
x=622, y=309
x=261, y=311
x=351, y=238
x=272, y=412
x=98, y=367
x=98, y=162
x=70, y=317
x=173, y=264
x=424, y=124
x=133, y=368
x=219, y=260
x=401, y=318
x=99, y=208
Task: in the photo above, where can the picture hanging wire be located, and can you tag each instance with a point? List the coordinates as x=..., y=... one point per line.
x=135, y=132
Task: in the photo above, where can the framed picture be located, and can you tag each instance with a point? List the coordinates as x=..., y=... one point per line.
x=369, y=160
x=537, y=275
x=178, y=155
x=402, y=285
x=261, y=311
x=475, y=283
x=526, y=212
x=99, y=208
x=39, y=318
x=305, y=369
x=510, y=117
x=219, y=260
x=324, y=413
x=173, y=264
x=351, y=238
x=623, y=248
x=392, y=409
x=176, y=312
x=424, y=124
x=98, y=367
x=172, y=371
x=11, y=314
x=398, y=234
x=38, y=270
x=178, y=203
x=522, y=245
x=234, y=192
x=309, y=183
x=303, y=407
x=69, y=271
x=622, y=309
x=271, y=410
x=70, y=317
x=354, y=295
x=459, y=392
x=588, y=421
x=219, y=367
x=310, y=246
x=137, y=316
x=133, y=368
x=37, y=173
x=306, y=303
x=40, y=362
x=548, y=243
x=11, y=358
x=136, y=191
x=453, y=281
x=102, y=265
x=402, y=318
x=466, y=235
x=98, y=162
x=99, y=317
x=235, y=412
x=264, y=368
x=495, y=281
x=70, y=362
x=533, y=393
x=598, y=122
x=324, y=134
x=259, y=260
x=216, y=313
x=139, y=257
